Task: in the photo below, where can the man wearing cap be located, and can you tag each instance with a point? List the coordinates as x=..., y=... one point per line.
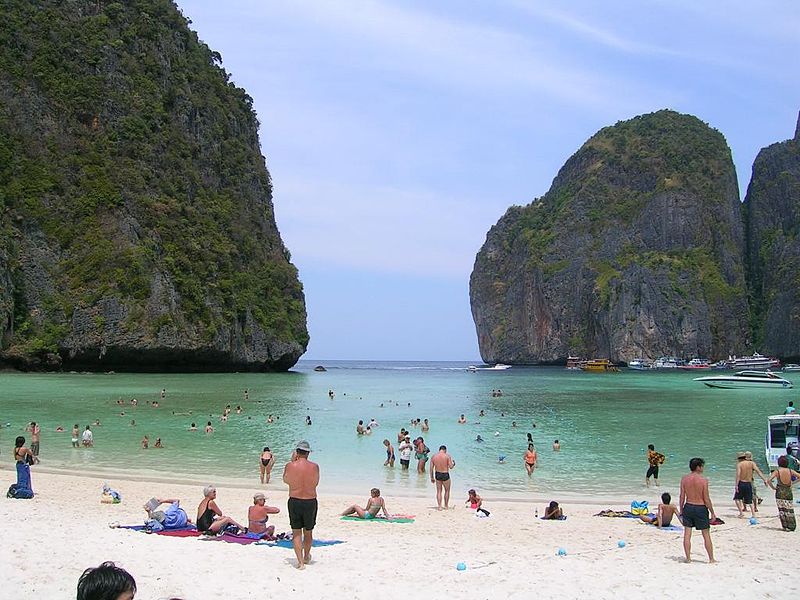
x=744, y=483
x=302, y=477
x=405, y=448
x=258, y=515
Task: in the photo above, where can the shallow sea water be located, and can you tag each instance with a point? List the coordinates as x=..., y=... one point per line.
x=603, y=421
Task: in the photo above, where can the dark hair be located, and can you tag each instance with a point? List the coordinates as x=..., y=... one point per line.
x=696, y=462
x=19, y=442
x=555, y=441
x=666, y=498
x=443, y=447
x=105, y=582
x=783, y=462
x=553, y=504
x=266, y=449
x=651, y=447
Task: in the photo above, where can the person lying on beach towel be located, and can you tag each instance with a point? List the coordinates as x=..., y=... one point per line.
x=375, y=504
x=174, y=517
x=663, y=517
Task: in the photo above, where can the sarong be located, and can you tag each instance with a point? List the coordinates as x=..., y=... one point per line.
x=784, y=500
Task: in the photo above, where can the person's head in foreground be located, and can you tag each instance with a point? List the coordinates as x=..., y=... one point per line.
x=666, y=498
x=375, y=492
x=696, y=465
x=106, y=582
x=303, y=448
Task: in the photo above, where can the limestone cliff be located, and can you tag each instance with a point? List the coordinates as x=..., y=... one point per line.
x=772, y=220
x=137, y=227
x=636, y=250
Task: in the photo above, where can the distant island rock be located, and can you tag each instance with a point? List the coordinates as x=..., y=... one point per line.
x=137, y=230
x=636, y=250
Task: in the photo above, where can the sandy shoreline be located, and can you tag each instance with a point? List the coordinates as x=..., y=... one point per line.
x=53, y=537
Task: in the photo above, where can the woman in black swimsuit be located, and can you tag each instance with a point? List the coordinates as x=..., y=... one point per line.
x=266, y=463
x=209, y=517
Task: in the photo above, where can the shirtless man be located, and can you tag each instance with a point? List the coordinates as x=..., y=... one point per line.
x=441, y=464
x=695, y=506
x=302, y=477
x=35, y=433
x=744, y=483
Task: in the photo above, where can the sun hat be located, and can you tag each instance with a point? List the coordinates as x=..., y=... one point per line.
x=259, y=496
x=741, y=454
x=304, y=446
x=748, y=455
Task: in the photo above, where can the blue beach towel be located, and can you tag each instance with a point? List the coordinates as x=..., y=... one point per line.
x=288, y=543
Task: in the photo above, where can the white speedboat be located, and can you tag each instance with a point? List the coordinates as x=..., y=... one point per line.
x=757, y=361
x=783, y=431
x=497, y=367
x=747, y=379
x=791, y=367
x=640, y=364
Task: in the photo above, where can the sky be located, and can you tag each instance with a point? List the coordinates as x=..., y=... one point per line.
x=398, y=133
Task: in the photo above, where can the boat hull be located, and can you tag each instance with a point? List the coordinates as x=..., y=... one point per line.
x=732, y=384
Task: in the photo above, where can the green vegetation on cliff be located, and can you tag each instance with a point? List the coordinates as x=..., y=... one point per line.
x=126, y=151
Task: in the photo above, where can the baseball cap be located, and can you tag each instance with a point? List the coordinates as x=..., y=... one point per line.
x=304, y=446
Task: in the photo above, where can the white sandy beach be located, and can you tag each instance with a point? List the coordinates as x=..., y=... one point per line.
x=50, y=540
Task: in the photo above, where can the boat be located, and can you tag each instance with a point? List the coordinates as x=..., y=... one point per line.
x=756, y=361
x=791, y=367
x=497, y=367
x=783, y=431
x=747, y=379
x=696, y=364
x=599, y=365
x=573, y=363
x=640, y=364
x=668, y=362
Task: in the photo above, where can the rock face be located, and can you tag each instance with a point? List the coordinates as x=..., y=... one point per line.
x=636, y=250
x=137, y=228
x=772, y=220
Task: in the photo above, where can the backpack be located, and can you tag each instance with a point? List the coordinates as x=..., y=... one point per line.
x=639, y=508
x=15, y=491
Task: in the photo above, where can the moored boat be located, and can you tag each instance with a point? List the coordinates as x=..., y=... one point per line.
x=746, y=379
x=783, y=431
x=640, y=364
x=573, y=363
x=668, y=362
x=599, y=365
x=791, y=367
x=696, y=364
x=756, y=361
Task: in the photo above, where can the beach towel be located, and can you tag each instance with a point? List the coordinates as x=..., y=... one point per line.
x=561, y=518
x=624, y=514
x=392, y=519
x=288, y=543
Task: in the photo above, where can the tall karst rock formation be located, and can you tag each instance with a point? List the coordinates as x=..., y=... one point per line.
x=772, y=222
x=636, y=250
x=137, y=227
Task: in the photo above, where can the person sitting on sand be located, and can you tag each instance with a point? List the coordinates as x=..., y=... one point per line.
x=553, y=512
x=258, y=515
x=475, y=502
x=666, y=510
x=209, y=517
x=375, y=504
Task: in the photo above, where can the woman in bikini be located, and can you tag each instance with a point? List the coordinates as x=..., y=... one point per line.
x=266, y=462
x=530, y=459
x=209, y=517
x=258, y=515
x=375, y=504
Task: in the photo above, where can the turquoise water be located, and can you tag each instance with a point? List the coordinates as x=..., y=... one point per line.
x=604, y=422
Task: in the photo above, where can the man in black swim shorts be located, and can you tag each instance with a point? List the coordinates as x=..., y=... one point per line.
x=302, y=477
x=440, y=474
x=695, y=506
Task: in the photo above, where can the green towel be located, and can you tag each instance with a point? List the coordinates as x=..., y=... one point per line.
x=380, y=520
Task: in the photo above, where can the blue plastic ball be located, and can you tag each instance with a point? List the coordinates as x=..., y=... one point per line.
x=461, y=566
x=621, y=543
x=753, y=521
x=562, y=552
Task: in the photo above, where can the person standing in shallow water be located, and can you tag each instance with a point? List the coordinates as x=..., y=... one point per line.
x=654, y=460
x=441, y=464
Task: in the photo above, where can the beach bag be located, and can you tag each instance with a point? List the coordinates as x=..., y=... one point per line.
x=639, y=507
x=18, y=492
